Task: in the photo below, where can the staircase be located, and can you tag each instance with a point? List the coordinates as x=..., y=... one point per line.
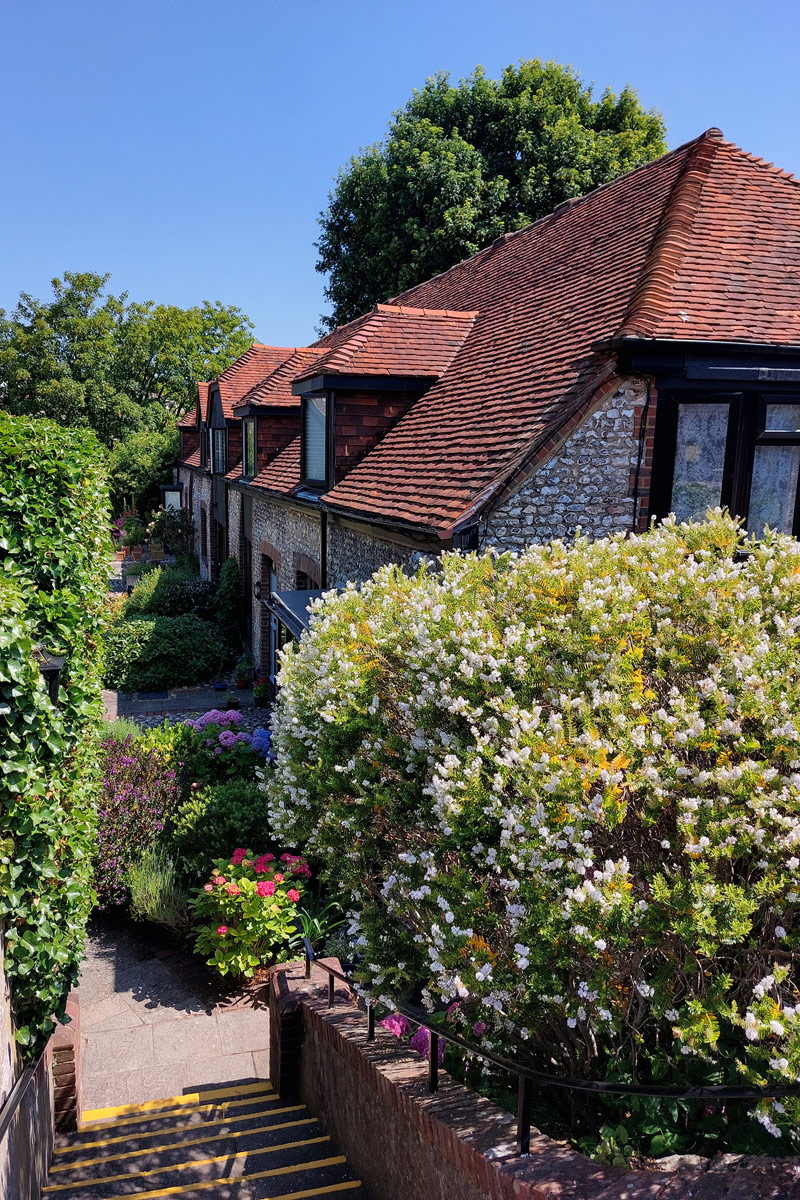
x=226, y=1143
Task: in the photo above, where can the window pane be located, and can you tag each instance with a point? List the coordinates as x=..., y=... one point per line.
x=699, y=459
x=774, y=488
x=249, y=448
x=783, y=418
x=314, y=437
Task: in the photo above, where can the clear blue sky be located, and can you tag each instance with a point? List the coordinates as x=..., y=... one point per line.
x=187, y=146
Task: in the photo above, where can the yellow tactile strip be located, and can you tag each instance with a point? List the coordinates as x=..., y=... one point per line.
x=205, y=1184
x=200, y=1141
x=92, y=1115
x=127, y=1137
x=193, y=1163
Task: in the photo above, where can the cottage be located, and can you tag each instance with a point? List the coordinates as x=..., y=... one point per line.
x=635, y=352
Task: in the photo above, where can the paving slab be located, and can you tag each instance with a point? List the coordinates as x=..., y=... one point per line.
x=147, y=1034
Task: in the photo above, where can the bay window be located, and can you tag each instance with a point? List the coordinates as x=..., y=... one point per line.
x=739, y=450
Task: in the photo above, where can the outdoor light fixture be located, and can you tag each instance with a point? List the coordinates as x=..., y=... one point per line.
x=171, y=494
x=51, y=666
x=257, y=589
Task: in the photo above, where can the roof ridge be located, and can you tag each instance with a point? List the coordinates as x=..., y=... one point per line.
x=672, y=236
x=407, y=311
x=712, y=132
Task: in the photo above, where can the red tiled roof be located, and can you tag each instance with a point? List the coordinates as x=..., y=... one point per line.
x=702, y=243
x=193, y=460
x=235, y=472
x=249, y=369
x=283, y=473
x=189, y=419
x=276, y=388
x=395, y=340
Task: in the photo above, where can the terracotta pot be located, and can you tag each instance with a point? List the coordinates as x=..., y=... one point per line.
x=243, y=683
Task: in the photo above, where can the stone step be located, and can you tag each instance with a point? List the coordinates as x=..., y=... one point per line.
x=169, y=1148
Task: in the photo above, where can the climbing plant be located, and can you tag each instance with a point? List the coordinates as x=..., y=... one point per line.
x=54, y=521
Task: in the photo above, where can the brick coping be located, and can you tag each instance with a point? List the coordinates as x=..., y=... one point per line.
x=476, y=1138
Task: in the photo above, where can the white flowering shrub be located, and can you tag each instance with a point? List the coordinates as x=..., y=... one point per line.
x=563, y=789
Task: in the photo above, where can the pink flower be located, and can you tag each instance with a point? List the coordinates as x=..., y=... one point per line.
x=453, y=1011
x=218, y=880
x=232, y=889
x=268, y=857
x=209, y=887
x=479, y=1028
x=293, y=895
x=222, y=930
x=396, y=1024
x=278, y=877
x=238, y=856
x=287, y=857
x=265, y=888
x=421, y=1042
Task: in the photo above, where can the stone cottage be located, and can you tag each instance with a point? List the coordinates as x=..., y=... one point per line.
x=635, y=352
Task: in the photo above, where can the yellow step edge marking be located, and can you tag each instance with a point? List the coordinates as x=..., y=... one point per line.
x=192, y=1162
x=204, y=1184
x=214, y=1137
x=178, y=1112
x=197, y=1125
x=199, y=1097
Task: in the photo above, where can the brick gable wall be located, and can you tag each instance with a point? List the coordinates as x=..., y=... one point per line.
x=274, y=433
x=360, y=421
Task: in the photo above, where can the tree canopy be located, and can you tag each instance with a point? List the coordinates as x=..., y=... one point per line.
x=462, y=164
x=127, y=370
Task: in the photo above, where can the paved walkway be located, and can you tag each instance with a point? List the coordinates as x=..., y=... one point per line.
x=148, y=1032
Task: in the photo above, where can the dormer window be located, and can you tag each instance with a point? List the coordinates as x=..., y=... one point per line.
x=315, y=439
x=249, y=455
x=219, y=447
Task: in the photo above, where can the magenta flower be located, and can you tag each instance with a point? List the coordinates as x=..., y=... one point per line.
x=222, y=930
x=479, y=1028
x=421, y=1042
x=293, y=895
x=397, y=1025
x=265, y=888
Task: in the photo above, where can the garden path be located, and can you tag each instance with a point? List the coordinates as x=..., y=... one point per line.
x=150, y=1031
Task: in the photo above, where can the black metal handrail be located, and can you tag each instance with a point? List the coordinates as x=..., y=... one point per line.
x=527, y=1077
x=17, y=1095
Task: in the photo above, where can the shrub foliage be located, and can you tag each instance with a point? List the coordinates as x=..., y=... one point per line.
x=53, y=556
x=147, y=653
x=563, y=789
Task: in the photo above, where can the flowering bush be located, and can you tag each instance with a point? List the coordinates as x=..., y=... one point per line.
x=246, y=912
x=140, y=792
x=563, y=788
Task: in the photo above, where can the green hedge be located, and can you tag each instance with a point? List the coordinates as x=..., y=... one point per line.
x=147, y=653
x=171, y=592
x=54, y=547
x=216, y=820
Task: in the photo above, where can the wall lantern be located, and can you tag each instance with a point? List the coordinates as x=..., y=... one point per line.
x=171, y=495
x=257, y=589
x=51, y=666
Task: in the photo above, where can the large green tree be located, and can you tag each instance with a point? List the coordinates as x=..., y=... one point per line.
x=462, y=164
x=88, y=358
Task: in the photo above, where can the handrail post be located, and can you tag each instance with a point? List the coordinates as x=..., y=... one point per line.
x=433, y=1061
x=370, y=1022
x=308, y=965
x=524, y=1105
x=331, y=985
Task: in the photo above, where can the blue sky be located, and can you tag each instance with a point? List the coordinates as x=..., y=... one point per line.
x=187, y=146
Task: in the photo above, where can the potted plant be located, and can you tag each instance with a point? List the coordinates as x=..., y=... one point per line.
x=262, y=693
x=133, y=537
x=232, y=700
x=244, y=671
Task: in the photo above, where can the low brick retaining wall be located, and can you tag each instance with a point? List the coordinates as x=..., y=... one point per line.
x=66, y=1050
x=408, y=1144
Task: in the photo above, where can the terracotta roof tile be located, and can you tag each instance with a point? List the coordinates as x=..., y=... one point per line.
x=235, y=472
x=396, y=340
x=249, y=369
x=193, y=460
x=282, y=474
x=276, y=387
x=189, y=419
x=702, y=243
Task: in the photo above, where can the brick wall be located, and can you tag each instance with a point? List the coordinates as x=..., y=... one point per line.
x=588, y=478
x=190, y=440
x=234, y=523
x=234, y=443
x=405, y=1142
x=201, y=509
x=280, y=531
x=360, y=421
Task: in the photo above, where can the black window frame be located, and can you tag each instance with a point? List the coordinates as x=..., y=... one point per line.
x=222, y=433
x=249, y=424
x=746, y=430
x=317, y=485
x=203, y=447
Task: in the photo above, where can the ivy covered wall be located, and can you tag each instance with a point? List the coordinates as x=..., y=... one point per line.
x=54, y=522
